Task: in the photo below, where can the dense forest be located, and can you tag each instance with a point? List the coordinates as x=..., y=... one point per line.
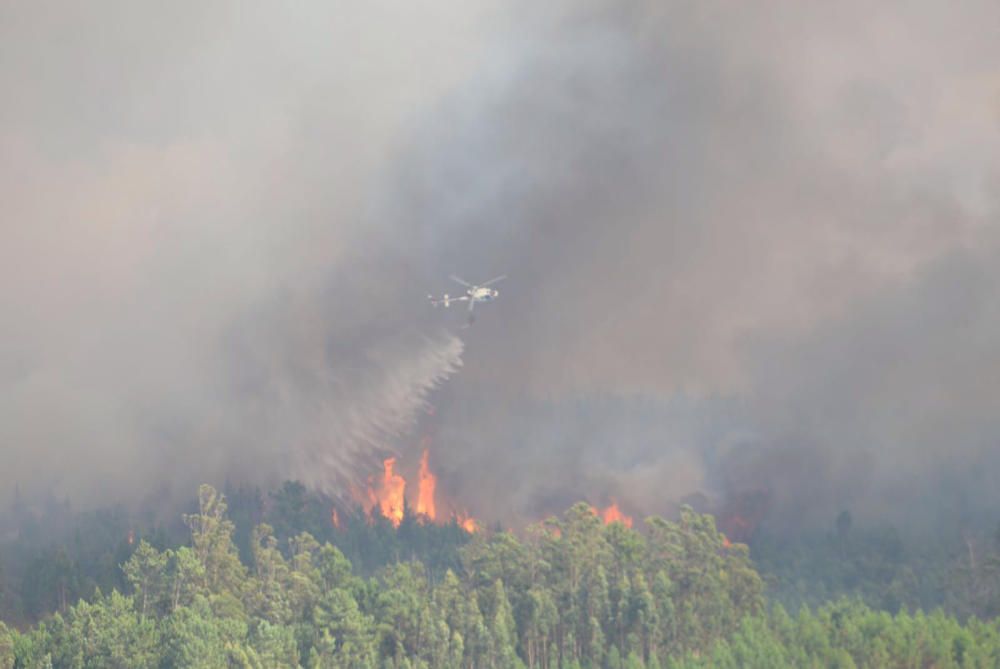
x=253, y=581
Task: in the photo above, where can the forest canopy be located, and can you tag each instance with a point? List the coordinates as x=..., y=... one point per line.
x=569, y=592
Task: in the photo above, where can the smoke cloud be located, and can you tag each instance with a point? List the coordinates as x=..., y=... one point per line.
x=747, y=248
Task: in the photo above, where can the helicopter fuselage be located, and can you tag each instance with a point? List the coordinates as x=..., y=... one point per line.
x=482, y=294
x=473, y=294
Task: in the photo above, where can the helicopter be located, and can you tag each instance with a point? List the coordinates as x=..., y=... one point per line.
x=474, y=293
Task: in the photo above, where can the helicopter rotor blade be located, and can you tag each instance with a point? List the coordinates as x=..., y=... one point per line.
x=461, y=281
x=493, y=280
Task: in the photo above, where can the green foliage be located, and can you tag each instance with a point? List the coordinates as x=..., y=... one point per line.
x=6, y=648
x=875, y=564
x=194, y=636
x=573, y=593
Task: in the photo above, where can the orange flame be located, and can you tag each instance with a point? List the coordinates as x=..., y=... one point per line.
x=390, y=495
x=466, y=522
x=427, y=483
x=725, y=542
x=612, y=514
x=335, y=518
x=386, y=497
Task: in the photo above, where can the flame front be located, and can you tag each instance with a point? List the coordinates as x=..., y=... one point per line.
x=612, y=514
x=466, y=522
x=427, y=485
x=386, y=496
x=391, y=494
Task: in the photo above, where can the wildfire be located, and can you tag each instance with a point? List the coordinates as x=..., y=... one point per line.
x=466, y=522
x=386, y=496
x=391, y=494
x=612, y=514
x=742, y=513
x=427, y=483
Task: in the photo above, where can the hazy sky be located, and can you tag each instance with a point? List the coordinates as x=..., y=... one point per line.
x=746, y=246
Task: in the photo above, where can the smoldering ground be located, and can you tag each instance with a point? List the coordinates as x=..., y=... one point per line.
x=739, y=244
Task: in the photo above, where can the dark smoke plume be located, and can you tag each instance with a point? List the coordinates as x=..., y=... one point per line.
x=749, y=249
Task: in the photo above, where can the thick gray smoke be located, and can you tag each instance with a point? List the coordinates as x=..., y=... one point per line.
x=755, y=222
x=195, y=285
x=747, y=248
